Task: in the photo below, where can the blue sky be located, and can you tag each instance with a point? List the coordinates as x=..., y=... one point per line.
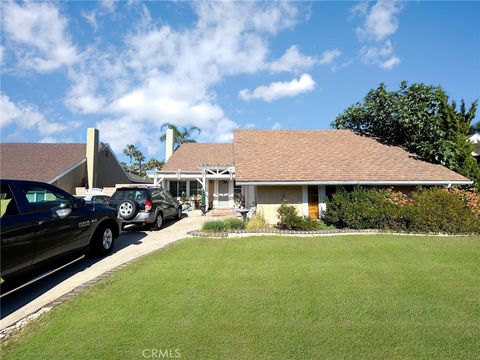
x=128, y=67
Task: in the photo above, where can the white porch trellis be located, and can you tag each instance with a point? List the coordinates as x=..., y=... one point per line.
x=216, y=172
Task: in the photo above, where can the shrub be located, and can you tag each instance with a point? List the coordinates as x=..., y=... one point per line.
x=232, y=223
x=223, y=225
x=314, y=225
x=360, y=209
x=257, y=222
x=427, y=210
x=437, y=210
x=288, y=219
x=214, y=226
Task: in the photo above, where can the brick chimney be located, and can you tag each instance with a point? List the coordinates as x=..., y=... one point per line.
x=92, y=154
x=168, y=144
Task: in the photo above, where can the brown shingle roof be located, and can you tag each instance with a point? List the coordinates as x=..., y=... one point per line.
x=327, y=155
x=41, y=162
x=188, y=156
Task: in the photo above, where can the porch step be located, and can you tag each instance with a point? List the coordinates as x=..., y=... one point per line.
x=221, y=212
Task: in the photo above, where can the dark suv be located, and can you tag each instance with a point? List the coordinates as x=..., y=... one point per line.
x=44, y=227
x=145, y=205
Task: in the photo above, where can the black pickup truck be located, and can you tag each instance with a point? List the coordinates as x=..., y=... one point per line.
x=43, y=228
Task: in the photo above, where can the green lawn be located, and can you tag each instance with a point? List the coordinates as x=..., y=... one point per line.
x=375, y=296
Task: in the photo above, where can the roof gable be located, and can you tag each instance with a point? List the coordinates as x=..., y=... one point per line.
x=190, y=155
x=40, y=162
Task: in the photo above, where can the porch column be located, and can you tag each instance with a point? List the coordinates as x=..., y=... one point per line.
x=215, y=193
x=322, y=199
x=304, y=200
x=230, y=194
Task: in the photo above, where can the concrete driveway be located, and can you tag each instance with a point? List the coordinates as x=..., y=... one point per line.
x=129, y=246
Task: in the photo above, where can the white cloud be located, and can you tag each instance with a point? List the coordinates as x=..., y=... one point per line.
x=91, y=18
x=167, y=75
x=382, y=56
x=292, y=60
x=277, y=126
x=26, y=116
x=277, y=90
x=39, y=33
x=108, y=5
x=380, y=21
x=390, y=63
x=329, y=56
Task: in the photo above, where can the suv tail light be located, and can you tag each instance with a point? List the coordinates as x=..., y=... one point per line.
x=148, y=205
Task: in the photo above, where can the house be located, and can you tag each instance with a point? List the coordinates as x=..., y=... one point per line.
x=475, y=140
x=68, y=166
x=302, y=167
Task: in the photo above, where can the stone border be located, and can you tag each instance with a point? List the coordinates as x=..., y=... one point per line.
x=233, y=233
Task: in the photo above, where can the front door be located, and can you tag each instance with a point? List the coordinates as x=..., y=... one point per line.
x=222, y=193
x=313, y=212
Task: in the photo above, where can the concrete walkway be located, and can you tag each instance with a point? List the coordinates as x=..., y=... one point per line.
x=129, y=246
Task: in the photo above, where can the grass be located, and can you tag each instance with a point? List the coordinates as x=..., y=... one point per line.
x=375, y=296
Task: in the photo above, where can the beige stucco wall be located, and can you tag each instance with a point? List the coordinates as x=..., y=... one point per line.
x=71, y=180
x=269, y=198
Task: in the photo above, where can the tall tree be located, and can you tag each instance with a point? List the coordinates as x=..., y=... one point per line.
x=129, y=151
x=181, y=135
x=420, y=118
x=153, y=164
x=138, y=156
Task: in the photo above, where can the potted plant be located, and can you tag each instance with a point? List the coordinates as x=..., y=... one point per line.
x=203, y=205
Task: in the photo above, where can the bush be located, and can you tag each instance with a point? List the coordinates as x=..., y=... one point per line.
x=359, y=209
x=314, y=225
x=257, y=222
x=232, y=223
x=438, y=210
x=288, y=218
x=223, y=225
x=214, y=226
x=427, y=210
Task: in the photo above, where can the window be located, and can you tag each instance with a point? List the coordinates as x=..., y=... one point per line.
x=8, y=206
x=139, y=195
x=195, y=188
x=40, y=196
x=168, y=196
x=329, y=191
x=177, y=187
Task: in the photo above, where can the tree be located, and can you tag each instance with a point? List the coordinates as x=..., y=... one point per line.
x=129, y=151
x=181, y=135
x=153, y=164
x=420, y=118
x=138, y=156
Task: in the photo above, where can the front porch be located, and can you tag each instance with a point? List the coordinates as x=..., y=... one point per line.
x=217, y=181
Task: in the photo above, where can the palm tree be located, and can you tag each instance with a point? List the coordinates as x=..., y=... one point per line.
x=129, y=151
x=153, y=164
x=181, y=135
x=140, y=158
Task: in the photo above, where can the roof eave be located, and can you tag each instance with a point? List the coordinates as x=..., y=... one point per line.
x=356, y=182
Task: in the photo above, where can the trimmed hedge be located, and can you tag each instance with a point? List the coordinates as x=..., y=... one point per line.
x=428, y=210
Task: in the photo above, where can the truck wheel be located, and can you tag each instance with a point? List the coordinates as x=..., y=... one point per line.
x=103, y=240
x=157, y=225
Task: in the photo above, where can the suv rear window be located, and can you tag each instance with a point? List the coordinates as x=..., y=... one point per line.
x=131, y=194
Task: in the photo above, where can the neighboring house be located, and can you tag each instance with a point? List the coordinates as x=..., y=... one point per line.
x=475, y=140
x=302, y=167
x=68, y=166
